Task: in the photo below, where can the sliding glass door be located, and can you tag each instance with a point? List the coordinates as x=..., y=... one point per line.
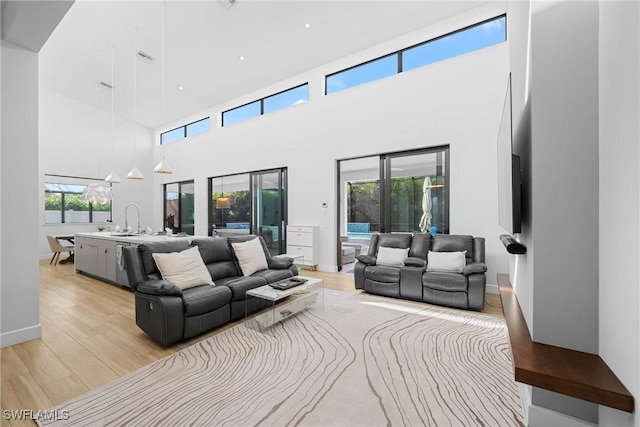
x=179, y=206
x=415, y=190
x=250, y=203
x=392, y=192
x=268, y=208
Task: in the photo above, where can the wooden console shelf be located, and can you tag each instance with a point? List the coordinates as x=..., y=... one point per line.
x=573, y=373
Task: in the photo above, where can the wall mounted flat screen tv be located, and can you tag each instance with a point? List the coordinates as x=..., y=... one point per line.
x=509, y=175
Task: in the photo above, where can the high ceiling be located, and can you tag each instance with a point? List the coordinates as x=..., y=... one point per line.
x=203, y=43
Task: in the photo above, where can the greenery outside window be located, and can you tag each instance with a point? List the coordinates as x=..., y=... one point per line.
x=63, y=203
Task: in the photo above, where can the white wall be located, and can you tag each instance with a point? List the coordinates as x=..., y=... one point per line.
x=620, y=199
x=18, y=180
x=76, y=140
x=456, y=102
x=564, y=186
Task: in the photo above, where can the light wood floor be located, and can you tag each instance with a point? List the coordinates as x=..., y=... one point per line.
x=89, y=337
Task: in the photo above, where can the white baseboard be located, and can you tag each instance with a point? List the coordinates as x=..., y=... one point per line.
x=543, y=417
x=20, y=335
x=327, y=268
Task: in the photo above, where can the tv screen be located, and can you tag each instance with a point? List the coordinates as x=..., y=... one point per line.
x=509, y=178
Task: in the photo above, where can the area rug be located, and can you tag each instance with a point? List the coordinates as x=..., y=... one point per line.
x=349, y=360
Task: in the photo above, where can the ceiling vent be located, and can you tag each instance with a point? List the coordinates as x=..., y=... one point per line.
x=145, y=55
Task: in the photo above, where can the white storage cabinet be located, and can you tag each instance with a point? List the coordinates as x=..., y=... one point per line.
x=303, y=240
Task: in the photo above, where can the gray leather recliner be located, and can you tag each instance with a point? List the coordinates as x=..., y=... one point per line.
x=412, y=280
x=169, y=314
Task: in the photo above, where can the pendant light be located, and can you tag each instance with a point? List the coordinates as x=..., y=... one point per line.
x=113, y=177
x=162, y=167
x=135, y=172
x=97, y=193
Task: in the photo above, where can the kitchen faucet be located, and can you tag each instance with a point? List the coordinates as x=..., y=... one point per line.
x=126, y=223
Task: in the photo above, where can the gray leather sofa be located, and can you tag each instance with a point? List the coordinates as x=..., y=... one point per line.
x=169, y=314
x=413, y=281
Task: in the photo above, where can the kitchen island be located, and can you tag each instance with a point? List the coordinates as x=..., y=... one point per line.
x=98, y=254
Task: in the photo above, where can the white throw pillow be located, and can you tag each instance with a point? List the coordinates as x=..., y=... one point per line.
x=392, y=256
x=184, y=269
x=250, y=256
x=453, y=262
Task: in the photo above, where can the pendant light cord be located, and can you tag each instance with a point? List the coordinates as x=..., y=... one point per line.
x=162, y=75
x=113, y=94
x=135, y=102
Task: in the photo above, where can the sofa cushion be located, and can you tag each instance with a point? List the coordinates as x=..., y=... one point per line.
x=148, y=249
x=240, y=285
x=392, y=256
x=446, y=261
x=453, y=243
x=203, y=299
x=184, y=269
x=239, y=239
x=443, y=281
x=250, y=256
x=383, y=273
x=223, y=269
x=213, y=249
x=395, y=240
x=420, y=246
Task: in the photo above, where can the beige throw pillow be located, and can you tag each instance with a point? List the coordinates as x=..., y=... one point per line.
x=394, y=257
x=250, y=256
x=453, y=262
x=184, y=269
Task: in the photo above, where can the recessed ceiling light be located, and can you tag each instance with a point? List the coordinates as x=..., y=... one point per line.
x=241, y=58
x=180, y=88
x=307, y=25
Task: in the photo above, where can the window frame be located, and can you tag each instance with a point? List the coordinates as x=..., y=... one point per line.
x=184, y=130
x=261, y=103
x=400, y=52
x=62, y=204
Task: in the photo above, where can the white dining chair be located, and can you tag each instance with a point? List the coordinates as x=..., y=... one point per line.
x=57, y=248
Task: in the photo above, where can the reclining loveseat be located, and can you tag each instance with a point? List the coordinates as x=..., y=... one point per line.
x=169, y=313
x=439, y=269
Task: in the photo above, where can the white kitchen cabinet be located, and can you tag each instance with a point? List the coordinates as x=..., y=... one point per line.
x=303, y=240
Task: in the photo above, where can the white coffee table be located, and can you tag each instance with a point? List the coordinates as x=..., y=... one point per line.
x=306, y=295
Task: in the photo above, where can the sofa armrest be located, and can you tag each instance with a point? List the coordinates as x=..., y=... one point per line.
x=475, y=268
x=159, y=287
x=415, y=262
x=133, y=266
x=367, y=259
x=476, y=291
x=280, y=262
